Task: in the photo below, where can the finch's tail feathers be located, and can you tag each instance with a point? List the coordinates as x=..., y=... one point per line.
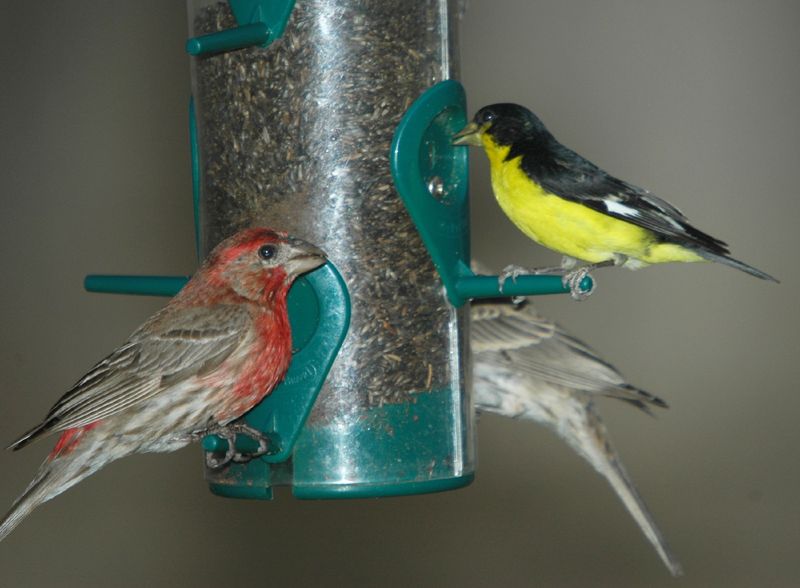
x=618, y=478
x=639, y=398
x=740, y=265
x=61, y=470
x=34, y=495
x=590, y=439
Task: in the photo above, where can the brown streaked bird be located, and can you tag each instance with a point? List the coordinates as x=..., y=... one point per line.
x=209, y=356
x=527, y=367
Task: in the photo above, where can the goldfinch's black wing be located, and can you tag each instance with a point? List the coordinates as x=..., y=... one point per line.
x=562, y=172
x=160, y=353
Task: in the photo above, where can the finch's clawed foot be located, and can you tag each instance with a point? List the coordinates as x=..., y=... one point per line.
x=510, y=271
x=573, y=279
x=515, y=271
x=229, y=432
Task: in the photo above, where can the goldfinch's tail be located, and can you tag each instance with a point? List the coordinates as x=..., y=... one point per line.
x=740, y=265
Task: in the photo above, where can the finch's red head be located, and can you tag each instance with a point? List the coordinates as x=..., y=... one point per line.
x=260, y=263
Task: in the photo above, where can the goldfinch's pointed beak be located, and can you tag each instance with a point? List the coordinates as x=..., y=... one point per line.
x=469, y=135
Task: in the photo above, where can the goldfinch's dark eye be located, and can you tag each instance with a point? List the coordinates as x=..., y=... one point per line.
x=487, y=116
x=267, y=252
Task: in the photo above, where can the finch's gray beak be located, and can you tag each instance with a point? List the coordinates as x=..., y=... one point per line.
x=303, y=257
x=469, y=135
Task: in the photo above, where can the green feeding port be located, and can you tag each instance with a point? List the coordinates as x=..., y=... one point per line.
x=319, y=314
x=431, y=176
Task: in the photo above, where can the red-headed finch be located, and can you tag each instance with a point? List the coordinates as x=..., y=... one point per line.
x=210, y=355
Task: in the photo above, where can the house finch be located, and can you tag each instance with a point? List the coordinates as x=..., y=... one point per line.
x=217, y=348
x=527, y=367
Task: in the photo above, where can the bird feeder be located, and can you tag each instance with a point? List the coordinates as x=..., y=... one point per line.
x=332, y=120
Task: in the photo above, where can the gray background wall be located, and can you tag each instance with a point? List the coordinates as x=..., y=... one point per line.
x=696, y=100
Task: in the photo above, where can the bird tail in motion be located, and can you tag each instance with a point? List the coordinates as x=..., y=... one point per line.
x=740, y=265
x=34, y=495
x=591, y=440
x=636, y=397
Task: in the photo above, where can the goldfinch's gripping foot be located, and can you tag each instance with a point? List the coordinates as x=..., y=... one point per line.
x=510, y=271
x=229, y=432
x=515, y=271
x=573, y=279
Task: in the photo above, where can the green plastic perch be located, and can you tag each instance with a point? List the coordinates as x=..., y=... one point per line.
x=260, y=22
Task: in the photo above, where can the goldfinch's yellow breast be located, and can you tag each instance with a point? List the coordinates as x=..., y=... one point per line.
x=565, y=226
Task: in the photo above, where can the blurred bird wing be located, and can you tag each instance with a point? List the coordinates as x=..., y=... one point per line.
x=158, y=354
x=524, y=341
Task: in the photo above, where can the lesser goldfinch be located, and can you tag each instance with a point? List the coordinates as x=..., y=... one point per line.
x=568, y=204
x=527, y=367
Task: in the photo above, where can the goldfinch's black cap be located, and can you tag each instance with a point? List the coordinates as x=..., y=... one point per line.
x=509, y=123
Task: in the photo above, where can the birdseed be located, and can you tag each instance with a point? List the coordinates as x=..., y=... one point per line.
x=297, y=136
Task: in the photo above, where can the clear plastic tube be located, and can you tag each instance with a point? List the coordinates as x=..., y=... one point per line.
x=296, y=136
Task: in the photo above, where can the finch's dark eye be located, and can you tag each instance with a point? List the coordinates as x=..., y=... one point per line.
x=267, y=252
x=488, y=116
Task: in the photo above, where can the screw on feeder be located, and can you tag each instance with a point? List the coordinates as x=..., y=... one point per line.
x=436, y=187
